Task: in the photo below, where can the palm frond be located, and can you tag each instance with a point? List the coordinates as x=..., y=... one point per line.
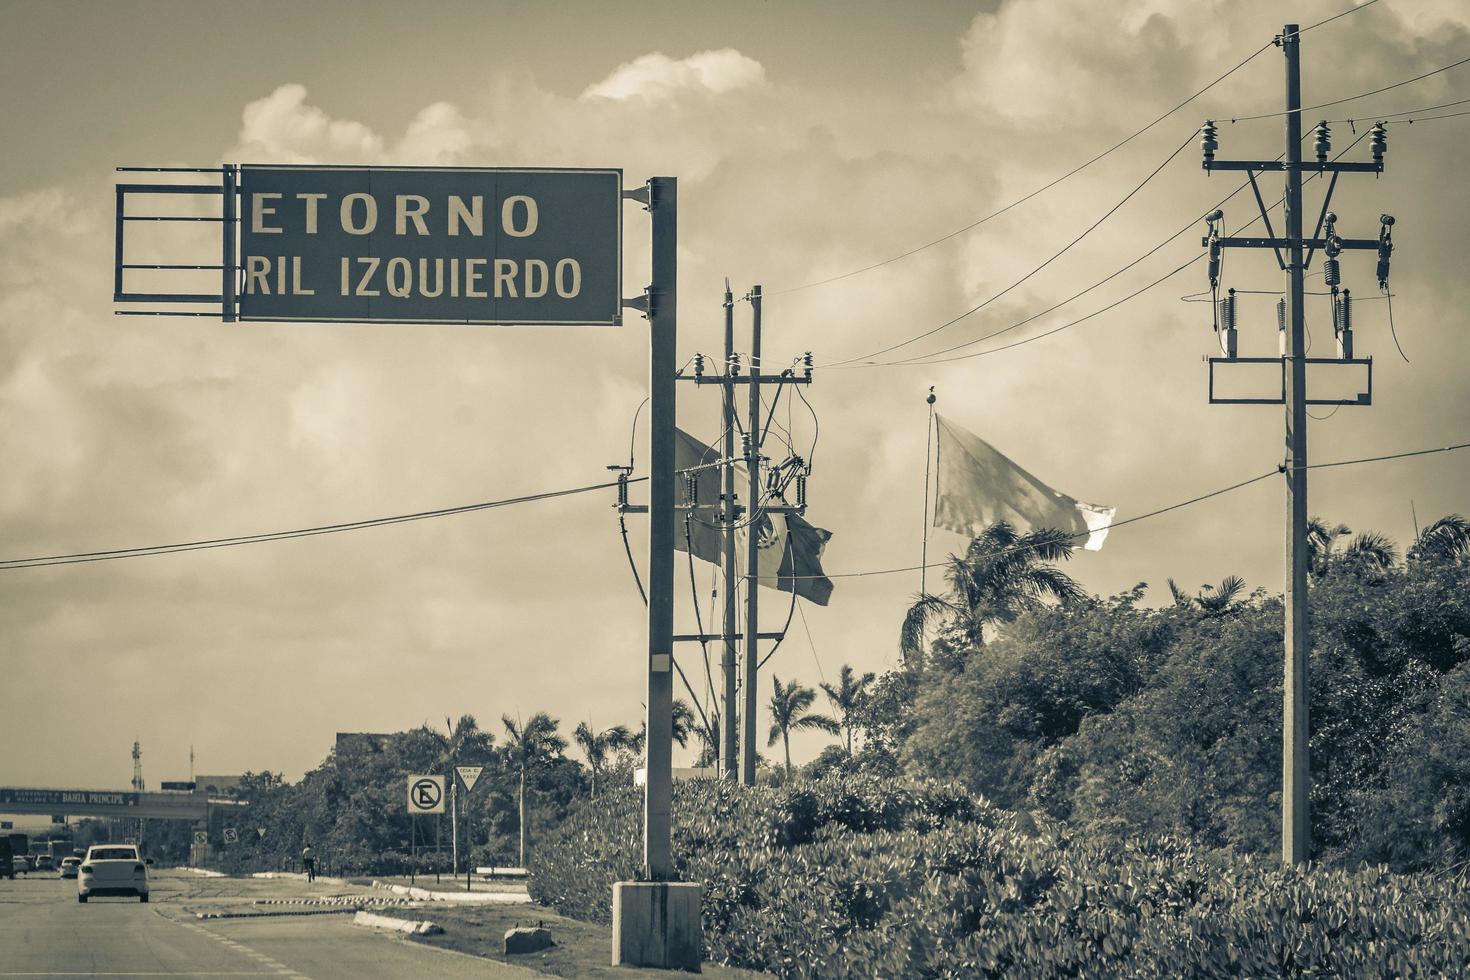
x=1446, y=538
x=920, y=616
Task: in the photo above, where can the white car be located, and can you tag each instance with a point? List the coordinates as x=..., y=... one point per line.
x=69, y=865
x=112, y=869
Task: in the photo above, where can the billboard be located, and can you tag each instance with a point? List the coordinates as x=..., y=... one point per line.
x=430, y=245
x=58, y=798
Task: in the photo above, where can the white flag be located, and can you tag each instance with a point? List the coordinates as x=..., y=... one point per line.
x=977, y=486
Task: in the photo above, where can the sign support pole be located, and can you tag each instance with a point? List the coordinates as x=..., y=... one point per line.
x=663, y=203
x=656, y=920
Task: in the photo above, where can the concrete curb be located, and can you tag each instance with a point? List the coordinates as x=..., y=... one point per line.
x=275, y=914
x=204, y=872
x=422, y=927
x=338, y=900
x=460, y=898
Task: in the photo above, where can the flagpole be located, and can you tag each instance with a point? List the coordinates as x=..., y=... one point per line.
x=928, y=451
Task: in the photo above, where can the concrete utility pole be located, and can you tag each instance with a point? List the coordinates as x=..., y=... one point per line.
x=663, y=203
x=1296, y=774
x=730, y=515
x=752, y=549
x=1295, y=764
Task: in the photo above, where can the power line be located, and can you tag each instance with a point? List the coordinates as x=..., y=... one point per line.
x=1071, y=173
x=1406, y=112
x=1049, y=260
x=1328, y=20
x=228, y=542
x=1022, y=200
x=921, y=358
x=934, y=357
x=1360, y=95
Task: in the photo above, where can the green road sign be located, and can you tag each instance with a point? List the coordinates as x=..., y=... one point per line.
x=431, y=245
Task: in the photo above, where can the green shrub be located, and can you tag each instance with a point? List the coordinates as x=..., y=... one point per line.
x=862, y=877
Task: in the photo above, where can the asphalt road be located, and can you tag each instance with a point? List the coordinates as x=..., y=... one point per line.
x=45, y=932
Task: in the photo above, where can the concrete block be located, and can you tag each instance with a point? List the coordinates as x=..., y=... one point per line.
x=527, y=939
x=657, y=924
x=418, y=928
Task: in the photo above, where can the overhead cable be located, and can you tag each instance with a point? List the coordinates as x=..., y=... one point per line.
x=1352, y=98
x=1040, y=190
x=934, y=358
x=1049, y=260
x=228, y=542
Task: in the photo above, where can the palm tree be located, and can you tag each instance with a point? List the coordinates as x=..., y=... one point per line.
x=1001, y=575
x=1320, y=541
x=464, y=742
x=709, y=739
x=847, y=698
x=684, y=725
x=1213, y=599
x=1369, y=554
x=1446, y=539
x=791, y=711
x=527, y=747
x=596, y=745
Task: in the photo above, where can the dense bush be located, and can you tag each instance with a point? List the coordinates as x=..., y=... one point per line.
x=1123, y=719
x=857, y=877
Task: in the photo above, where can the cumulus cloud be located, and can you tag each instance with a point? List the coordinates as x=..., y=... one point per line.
x=125, y=432
x=282, y=128
x=658, y=78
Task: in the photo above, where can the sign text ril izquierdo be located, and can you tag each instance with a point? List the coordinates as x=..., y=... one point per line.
x=430, y=245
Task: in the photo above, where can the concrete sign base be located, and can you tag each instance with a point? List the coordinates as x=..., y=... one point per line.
x=657, y=924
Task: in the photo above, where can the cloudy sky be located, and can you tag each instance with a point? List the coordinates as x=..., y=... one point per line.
x=810, y=140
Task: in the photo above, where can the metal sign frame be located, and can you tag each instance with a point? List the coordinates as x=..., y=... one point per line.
x=1363, y=398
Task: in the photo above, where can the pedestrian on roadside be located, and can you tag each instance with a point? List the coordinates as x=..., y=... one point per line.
x=308, y=862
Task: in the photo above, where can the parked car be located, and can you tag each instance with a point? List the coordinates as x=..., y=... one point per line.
x=42, y=862
x=69, y=866
x=112, y=869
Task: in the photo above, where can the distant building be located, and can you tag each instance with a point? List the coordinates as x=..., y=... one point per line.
x=215, y=785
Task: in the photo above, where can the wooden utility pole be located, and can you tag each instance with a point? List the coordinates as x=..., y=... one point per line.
x=752, y=549
x=1296, y=775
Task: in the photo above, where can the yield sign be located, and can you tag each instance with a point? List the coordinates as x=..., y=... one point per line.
x=470, y=775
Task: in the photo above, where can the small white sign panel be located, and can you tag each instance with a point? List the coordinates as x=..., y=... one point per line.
x=201, y=837
x=470, y=775
x=232, y=836
x=425, y=794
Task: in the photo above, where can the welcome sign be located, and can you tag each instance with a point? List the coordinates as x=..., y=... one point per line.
x=430, y=245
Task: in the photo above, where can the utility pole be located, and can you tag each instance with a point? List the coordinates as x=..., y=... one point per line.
x=1296, y=844
x=730, y=515
x=752, y=551
x=662, y=307
x=1296, y=772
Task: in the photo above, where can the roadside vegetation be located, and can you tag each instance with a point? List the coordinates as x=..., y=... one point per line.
x=1050, y=781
